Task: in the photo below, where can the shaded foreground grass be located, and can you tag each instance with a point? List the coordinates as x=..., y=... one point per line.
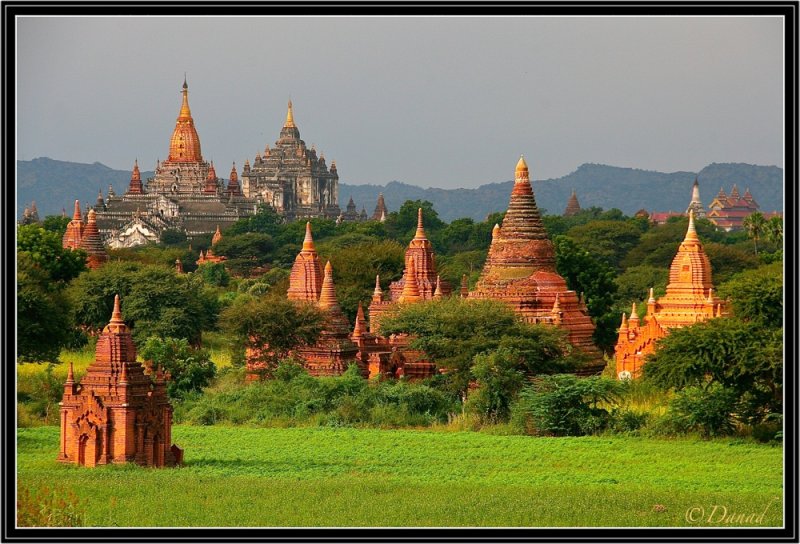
x=241, y=476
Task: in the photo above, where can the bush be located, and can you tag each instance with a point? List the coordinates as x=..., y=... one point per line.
x=293, y=397
x=707, y=410
x=46, y=507
x=190, y=369
x=564, y=405
x=628, y=421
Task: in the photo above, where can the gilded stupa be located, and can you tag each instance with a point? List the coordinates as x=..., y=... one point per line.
x=689, y=299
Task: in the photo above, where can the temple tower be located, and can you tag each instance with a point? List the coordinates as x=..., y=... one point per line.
x=573, y=206
x=420, y=250
x=689, y=299
x=92, y=243
x=116, y=413
x=696, y=205
x=520, y=269
x=334, y=350
x=74, y=233
x=305, y=279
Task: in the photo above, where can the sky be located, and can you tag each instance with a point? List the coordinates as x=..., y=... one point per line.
x=432, y=101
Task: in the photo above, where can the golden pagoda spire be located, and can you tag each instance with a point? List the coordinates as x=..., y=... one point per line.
x=438, y=292
x=185, y=113
x=77, y=215
x=308, y=241
x=624, y=325
x=420, y=235
x=691, y=232
x=651, y=299
x=634, y=316
x=289, y=116
x=495, y=231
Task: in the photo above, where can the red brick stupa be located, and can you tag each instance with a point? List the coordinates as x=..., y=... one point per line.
x=74, y=233
x=334, y=351
x=92, y=243
x=305, y=280
x=419, y=281
x=116, y=413
x=690, y=298
x=520, y=270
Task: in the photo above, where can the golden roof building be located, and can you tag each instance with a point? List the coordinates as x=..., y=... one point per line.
x=184, y=194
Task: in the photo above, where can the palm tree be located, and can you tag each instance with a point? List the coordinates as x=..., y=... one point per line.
x=774, y=230
x=755, y=224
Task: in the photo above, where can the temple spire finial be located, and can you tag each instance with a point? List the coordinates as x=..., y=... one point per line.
x=437, y=293
x=77, y=215
x=308, y=241
x=521, y=171
x=691, y=232
x=289, y=116
x=420, y=234
x=116, y=314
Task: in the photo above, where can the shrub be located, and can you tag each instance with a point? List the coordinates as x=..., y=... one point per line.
x=46, y=507
x=628, y=421
x=190, y=369
x=564, y=405
x=708, y=410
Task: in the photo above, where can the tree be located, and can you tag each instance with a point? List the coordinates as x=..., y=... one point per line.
x=453, y=331
x=155, y=300
x=214, y=274
x=607, y=240
x=56, y=223
x=272, y=326
x=634, y=284
x=565, y=405
x=755, y=224
x=245, y=251
x=355, y=268
x=190, y=369
x=402, y=224
x=757, y=295
x=43, y=321
x=593, y=277
x=44, y=249
x=774, y=230
x=741, y=356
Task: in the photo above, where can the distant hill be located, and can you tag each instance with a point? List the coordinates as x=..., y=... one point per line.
x=55, y=185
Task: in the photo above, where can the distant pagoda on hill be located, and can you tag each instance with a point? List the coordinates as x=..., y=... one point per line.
x=573, y=207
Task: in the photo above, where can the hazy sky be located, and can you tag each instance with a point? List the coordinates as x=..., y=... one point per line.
x=443, y=102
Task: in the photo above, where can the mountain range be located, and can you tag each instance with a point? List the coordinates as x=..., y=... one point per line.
x=55, y=185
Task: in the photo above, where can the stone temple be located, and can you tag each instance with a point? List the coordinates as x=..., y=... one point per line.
x=291, y=177
x=185, y=194
x=690, y=298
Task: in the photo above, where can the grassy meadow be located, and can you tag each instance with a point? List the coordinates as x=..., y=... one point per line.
x=314, y=476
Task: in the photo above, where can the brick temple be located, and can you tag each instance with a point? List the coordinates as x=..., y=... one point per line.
x=520, y=270
x=116, y=413
x=84, y=235
x=689, y=299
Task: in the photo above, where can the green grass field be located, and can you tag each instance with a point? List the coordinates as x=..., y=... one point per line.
x=242, y=476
